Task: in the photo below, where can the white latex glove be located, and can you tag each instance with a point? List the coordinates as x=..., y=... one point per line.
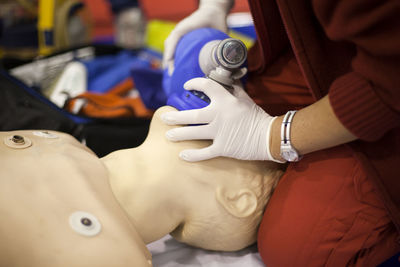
x=211, y=13
x=238, y=127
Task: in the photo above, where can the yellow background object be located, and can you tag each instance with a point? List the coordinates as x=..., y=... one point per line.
x=45, y=25
x=46, y=14
x=156, y=33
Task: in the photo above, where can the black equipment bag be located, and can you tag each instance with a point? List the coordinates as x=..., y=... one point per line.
x=23, y=108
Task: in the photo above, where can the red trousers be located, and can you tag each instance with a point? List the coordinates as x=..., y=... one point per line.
x=325, y=210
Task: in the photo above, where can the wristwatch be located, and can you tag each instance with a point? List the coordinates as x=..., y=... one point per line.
x=288, y=152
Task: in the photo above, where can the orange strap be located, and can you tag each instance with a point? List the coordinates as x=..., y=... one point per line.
x=116, y=103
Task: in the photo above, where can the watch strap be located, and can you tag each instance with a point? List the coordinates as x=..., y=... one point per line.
x=285, y=136
x=286, y=126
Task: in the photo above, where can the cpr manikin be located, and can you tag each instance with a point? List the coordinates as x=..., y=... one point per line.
x=62, y=206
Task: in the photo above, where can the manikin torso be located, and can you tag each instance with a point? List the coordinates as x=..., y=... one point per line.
x=49, y=185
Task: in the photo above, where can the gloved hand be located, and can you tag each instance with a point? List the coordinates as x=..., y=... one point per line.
x=238, y=127
x=211, y=13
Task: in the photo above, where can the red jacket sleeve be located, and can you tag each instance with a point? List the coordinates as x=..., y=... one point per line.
x=366, y=100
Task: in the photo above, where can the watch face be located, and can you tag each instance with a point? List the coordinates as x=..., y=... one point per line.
x=289, y=154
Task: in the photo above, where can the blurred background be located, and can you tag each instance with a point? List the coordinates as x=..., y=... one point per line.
x=29, y=28
x=91, y=68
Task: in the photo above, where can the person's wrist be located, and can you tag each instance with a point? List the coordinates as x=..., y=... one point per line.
x=275, y=139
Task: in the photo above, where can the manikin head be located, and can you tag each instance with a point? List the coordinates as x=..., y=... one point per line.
x=215, y=204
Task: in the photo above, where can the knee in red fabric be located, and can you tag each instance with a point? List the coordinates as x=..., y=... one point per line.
x=325, y=212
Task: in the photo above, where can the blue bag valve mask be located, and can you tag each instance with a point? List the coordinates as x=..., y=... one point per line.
x=208, y=53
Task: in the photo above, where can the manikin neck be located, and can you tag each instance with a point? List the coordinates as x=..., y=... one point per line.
x=134, y=179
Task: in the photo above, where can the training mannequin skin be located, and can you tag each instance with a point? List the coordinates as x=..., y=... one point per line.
x=41, y=186
x=215, y=204
x=138, y=195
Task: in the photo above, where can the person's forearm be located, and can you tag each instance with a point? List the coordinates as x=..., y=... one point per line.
x=315, y=127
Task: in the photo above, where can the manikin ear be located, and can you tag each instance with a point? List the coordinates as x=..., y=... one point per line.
x=238, y=202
